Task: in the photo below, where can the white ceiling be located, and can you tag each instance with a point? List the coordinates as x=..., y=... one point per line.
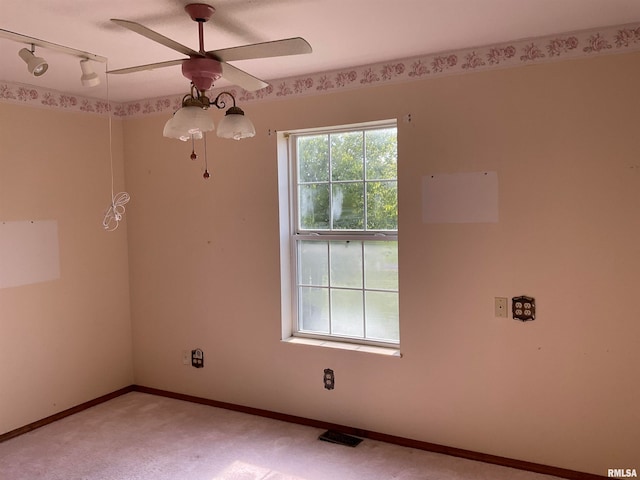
x=343, y=33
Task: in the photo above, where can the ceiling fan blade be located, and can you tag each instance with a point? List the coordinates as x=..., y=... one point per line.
x=276, y=48
x=156, y=37
x=241, y=78
x=150, y=66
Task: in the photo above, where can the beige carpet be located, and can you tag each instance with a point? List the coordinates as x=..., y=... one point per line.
x=145, y=437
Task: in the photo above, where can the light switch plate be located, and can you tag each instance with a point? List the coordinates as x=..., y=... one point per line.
x=501, y=309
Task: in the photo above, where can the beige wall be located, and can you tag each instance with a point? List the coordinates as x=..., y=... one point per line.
x=561, y=390
x=65, y=341
x=204, y=267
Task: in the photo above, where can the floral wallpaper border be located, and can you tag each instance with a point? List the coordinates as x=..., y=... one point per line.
x=625, y=38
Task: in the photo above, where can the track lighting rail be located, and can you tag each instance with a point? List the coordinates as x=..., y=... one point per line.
x=18, y=37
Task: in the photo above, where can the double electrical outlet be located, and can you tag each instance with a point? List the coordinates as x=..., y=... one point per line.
x=195, y=358
x=329, y=379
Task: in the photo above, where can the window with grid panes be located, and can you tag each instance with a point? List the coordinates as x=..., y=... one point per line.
x=345, y=234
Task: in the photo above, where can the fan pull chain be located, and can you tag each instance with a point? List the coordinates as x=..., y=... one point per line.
x=206, y=170
x=193, y=148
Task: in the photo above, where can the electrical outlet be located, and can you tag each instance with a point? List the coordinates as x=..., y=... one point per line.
x=197, y=358
x=329, y=379
x=186, y=357
x=501, y=307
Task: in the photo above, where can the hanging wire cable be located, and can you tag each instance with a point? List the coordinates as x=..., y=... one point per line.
x=115, y=212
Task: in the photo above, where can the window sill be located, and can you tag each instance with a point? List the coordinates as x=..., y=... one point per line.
x=386, y=351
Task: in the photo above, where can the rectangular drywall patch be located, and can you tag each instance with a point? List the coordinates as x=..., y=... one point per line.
x=460, y=198
x=29, y=252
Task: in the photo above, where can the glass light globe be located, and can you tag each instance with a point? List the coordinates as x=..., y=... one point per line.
x=188, y=121
x=193, y=119
x=171, y=130
x=235, y=125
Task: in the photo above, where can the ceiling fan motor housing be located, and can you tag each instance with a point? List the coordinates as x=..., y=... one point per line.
x=202, y=72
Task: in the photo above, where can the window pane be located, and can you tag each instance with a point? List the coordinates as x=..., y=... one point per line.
x=382, y=316
x=314, y=206
x=346, y=185
x=382, y=205
x=348, y=206
x=381, y=265
x=314, y=309
x=382, y=154
x=346, y=313
x=346, y=156
x=313, y=158
x=346, y=264
x=314, y=263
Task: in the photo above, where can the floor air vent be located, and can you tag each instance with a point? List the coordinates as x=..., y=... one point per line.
x=340, y=438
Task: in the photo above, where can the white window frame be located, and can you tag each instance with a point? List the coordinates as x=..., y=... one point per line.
x=290, y=234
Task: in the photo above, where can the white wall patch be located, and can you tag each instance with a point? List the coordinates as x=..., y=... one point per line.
x=29, y=252
x=460, y=198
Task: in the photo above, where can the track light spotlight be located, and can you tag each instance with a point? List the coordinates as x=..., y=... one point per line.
x=37, y=66
x=89, y=77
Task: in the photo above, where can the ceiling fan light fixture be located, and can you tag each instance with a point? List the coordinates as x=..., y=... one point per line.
x=89, y=78
x=37, y=66
x=235, y=125
x=192, y=120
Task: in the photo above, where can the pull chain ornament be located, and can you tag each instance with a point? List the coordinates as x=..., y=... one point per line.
x=193, y=149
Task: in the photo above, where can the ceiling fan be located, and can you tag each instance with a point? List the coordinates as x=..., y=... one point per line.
x=205, y=67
